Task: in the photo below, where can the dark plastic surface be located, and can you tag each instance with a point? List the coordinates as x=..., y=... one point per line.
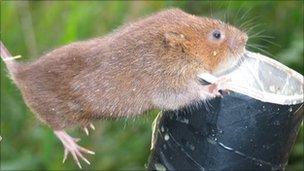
x=233, y=133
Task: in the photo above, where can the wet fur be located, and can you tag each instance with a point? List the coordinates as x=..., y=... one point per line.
x=151, y=63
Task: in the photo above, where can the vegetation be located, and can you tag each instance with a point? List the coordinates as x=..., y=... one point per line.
x=33, y=28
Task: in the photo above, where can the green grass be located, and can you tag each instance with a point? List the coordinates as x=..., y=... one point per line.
x=33, y=28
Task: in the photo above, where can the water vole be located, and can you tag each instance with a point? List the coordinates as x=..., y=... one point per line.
x=151, y=63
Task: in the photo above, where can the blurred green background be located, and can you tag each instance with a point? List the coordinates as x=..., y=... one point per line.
x=33, y=28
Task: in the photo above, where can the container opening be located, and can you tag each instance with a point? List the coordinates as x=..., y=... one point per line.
x=264, y=79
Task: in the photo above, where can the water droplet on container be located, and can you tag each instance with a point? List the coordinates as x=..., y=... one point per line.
x=166, y=137
x=272, y=88
x=211, y=140
x=189, y=145
x=183, y=120
x=276, y=123
x=192, y=147
x=162, y=129
x=159, y=167
x=279, y=167
x=290, y=109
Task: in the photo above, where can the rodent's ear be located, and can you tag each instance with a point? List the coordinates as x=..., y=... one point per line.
x=173, y=39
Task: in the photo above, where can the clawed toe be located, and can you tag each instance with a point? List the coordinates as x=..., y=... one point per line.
x=86, y=130
x=70, y=146
x=216, y=88
x=92, y=126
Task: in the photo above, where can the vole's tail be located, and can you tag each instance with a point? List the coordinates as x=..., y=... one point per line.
x=11, y=64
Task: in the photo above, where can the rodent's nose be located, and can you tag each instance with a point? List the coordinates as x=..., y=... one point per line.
x=232, y=43
x=244, y=39
x=237, y=42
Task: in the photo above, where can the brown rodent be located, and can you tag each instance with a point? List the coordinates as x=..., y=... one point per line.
x=151, y=63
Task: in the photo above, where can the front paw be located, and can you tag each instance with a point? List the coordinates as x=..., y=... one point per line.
x=216, y=88
x=213, y=90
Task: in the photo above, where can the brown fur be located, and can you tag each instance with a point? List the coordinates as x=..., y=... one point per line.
x=151, y=63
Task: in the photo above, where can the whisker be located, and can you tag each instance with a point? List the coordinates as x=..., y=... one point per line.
x=246, y=13
x=228, y=10
x=264, y=39
x=237, y=13
x=257, y=45
x=263, y=36
x=262, y=50
x=211, y=10
x=248, y=22
x=252, y=28
x=257, y=33
x=270, y=42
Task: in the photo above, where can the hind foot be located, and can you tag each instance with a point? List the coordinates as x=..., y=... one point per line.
x=71, y=146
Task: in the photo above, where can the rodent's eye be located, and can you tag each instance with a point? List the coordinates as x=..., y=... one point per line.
x=217, y=34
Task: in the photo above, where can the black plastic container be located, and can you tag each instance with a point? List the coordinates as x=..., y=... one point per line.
x=251, y=135
x=236, y=132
